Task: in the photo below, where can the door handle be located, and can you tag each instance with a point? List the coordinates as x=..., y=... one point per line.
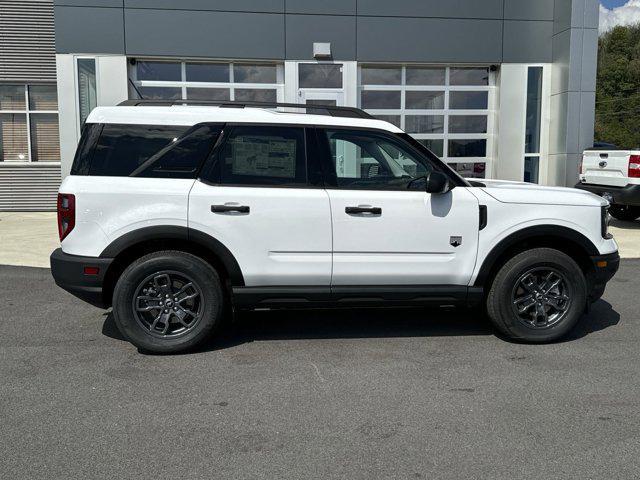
x=362, y=209
x=229, y=208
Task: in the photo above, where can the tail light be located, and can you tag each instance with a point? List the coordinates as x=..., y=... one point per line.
x=580, y=165
x=634, y=166
x=66, y=214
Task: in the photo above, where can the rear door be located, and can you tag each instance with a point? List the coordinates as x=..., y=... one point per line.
x=260, y=198
x=606, y=167
x=386, y=229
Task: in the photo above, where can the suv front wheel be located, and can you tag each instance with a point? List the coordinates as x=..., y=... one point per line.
x=167, y=302
x=537, y=296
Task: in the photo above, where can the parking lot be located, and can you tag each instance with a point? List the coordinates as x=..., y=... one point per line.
x=322, y=394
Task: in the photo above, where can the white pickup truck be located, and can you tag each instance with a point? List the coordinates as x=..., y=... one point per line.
x=614, y=175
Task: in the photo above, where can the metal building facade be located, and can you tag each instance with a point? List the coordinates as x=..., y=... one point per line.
x=418, y=63
x=29, y=137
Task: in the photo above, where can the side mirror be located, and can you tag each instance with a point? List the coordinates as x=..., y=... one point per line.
x=437, y=182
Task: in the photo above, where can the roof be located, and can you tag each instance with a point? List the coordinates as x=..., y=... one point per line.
x=192, y=115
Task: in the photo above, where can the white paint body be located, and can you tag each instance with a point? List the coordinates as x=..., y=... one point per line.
x=302, y=236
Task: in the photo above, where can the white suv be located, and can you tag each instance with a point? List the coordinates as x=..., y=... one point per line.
x=174, y=214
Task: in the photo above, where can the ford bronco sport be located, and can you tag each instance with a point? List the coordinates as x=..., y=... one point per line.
x=174, y=214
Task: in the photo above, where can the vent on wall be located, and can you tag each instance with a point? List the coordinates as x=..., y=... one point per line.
x=27, y=41
x=28, y=188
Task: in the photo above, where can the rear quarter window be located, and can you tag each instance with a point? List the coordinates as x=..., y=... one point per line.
x=156, y=151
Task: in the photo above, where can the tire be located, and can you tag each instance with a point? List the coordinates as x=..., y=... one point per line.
x=626, y=213
x=168, y=302
x=524, y=278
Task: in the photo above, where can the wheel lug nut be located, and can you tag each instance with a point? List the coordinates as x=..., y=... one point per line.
x=175, y=308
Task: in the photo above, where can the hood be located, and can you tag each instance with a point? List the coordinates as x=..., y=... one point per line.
x=530, y=193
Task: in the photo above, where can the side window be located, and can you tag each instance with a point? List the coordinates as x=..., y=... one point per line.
x=86, y=147
x=122, y=149
x=375, y=161
x=182, y=158
x=268, y=156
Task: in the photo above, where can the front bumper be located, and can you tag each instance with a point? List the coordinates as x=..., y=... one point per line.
x=68, y=271
x=604, y=268
x=627, y=195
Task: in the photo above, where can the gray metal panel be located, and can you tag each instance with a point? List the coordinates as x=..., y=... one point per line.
x=89, y=3
x=303, y=30
x=490, y=9
x=429, y=40
x=29, y=187
x=561, y=46
x=589, y=60
x=205, y=34
x=591, y=14
x=561, y=15
x=587, y=120
x=527, y=41
x=528, y=9
x=27, y=46
x=326, y=7
x=269, y=6
x=89, y=30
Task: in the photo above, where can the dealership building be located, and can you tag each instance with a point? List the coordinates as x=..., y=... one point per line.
x=497, y=88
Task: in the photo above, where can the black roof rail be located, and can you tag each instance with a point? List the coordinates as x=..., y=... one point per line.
x=332, y=110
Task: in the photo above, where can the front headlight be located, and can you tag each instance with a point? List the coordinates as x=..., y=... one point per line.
x=605, y=218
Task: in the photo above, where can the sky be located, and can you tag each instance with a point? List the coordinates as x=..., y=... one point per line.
x=618, y=12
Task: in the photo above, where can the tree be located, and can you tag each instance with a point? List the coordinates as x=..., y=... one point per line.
x=618, y=87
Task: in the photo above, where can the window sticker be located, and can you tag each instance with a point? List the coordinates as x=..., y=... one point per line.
x=264, y=156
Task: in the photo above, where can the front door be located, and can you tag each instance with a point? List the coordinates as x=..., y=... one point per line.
x=258, y=199
x=386, y=229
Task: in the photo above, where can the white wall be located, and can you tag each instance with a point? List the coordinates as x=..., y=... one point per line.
x=512, y=85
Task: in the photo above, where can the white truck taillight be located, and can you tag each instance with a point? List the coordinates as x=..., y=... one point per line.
x=634, y=166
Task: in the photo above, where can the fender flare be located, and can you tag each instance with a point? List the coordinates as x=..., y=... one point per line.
x=538, y=231
x=172, y=232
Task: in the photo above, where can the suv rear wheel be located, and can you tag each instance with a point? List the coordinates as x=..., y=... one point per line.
x=626, y=213
x=167, y=302
x=537, y=296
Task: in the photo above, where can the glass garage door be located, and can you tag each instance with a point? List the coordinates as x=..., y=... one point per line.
x=217, y=81
x=448, y=109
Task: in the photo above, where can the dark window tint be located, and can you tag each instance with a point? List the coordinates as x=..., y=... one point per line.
x=150, y=70
x=318, y=75
x=379, y=99
x=373, y=161
x=468, y=100
x=181, y=159
x=469, y=76
x=123, y=148
x=467, y=148
x=84, y=153
x=207, y=72
x=270, y=156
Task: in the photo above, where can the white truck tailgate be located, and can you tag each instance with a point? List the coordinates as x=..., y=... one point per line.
x=608, y=167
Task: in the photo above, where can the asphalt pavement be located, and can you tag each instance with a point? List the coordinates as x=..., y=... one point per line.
x=358, y=394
